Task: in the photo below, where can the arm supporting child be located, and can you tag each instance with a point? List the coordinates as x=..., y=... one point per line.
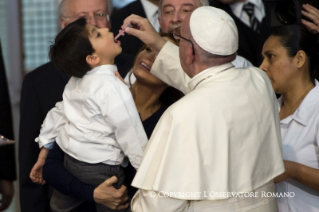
x=36, y=172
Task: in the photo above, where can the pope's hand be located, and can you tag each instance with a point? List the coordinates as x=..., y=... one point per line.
x=111, y=197
x=143, y=30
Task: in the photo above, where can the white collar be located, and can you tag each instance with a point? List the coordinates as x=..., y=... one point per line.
x=237, y=8
x=149, y=8
x=306, y=108
x=103, y=69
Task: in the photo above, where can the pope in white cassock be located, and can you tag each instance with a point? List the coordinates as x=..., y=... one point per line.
x=223, y=136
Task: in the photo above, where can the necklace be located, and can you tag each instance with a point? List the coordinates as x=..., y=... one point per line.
x=214, y=74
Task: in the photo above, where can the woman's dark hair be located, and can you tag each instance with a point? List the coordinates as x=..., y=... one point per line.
x=295, y=38
x=170, y=94
x=70, y=49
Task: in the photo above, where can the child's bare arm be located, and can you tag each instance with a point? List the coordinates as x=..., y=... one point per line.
x=36, y=172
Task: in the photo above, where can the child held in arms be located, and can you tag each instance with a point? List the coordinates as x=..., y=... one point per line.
x=97, y=123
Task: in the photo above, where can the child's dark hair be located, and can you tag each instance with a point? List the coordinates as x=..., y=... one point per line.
x=294, y=38
x=70, y=49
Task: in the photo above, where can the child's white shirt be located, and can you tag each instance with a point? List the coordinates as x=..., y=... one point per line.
x=97, y=121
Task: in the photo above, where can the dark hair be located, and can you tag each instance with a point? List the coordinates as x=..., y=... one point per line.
x=295, y=38
x=70, y=49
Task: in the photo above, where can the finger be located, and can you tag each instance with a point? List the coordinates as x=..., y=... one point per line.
x=111, y=180
x=117, y=74
x=121, y=207
x=310, y=9
x=310, y=26
x=132, y=19
x=137, y=33
x=310, y=16
x=311, y=13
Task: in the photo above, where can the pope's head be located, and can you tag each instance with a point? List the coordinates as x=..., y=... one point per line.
x=207, y=37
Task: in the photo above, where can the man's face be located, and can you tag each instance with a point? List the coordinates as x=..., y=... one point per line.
x=95, y=11
x=174, y=12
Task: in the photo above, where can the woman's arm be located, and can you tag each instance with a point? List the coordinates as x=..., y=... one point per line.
x=61, y=179
x=301, y=173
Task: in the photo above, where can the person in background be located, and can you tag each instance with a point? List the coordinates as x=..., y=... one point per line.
x=7, y=152
x=144, y=8
x=41, y=90
x=291, y=62
x=250, y=19
x=215, y=138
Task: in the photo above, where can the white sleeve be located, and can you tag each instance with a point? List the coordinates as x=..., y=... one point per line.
x=52, y=124
x=145, y=201
x=121, y=114
x=241, y=62
x=168, y=68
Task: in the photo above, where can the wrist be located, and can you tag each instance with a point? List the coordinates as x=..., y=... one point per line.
x=160, y=44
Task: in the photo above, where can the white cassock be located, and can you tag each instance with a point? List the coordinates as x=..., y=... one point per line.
x=223, y=136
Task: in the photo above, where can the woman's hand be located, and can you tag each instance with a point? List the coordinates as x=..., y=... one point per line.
x=117, y=74
x=303, y=174
x=288, y=171
x=111, y=197
x=313, y=14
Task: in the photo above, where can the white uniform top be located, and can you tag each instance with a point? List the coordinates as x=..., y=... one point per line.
x=222, y=136
x=97, y=121
x=300, y=141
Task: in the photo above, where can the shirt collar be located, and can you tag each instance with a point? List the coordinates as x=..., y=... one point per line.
x=307, y=106
x=149, y=8
x=205, y=73
x=237, y=8
x=103, y=69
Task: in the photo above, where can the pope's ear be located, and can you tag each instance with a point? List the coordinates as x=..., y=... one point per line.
x=92, y=60
x=190, y=57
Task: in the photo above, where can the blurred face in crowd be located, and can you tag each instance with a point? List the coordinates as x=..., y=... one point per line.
x=95, y=12
x=280, y=68
x=174, y=12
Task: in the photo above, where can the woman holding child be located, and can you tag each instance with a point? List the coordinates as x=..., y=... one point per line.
x=151, y=97
x=291, y=60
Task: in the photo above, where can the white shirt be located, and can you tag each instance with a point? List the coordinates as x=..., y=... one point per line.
x=97, y=121
x=238, y=11
x=151, y=11
x=300, y=141
x=222, y=136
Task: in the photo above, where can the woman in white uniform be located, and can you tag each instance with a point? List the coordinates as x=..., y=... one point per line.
x=291, y=61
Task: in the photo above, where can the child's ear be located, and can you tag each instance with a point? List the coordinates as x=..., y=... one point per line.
x=92, y=60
